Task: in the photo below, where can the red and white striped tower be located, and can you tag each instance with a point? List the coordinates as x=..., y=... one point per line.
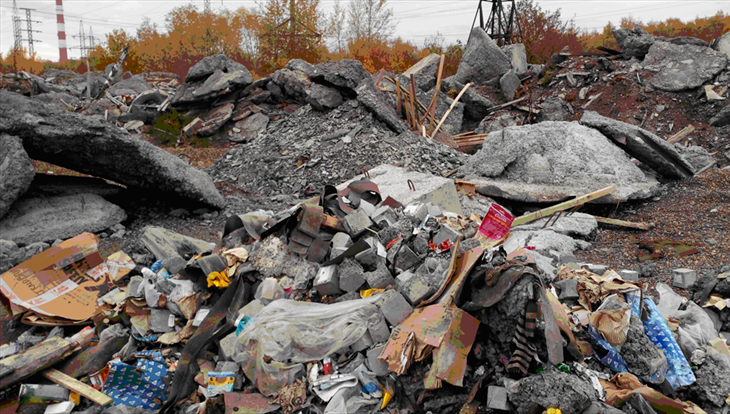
x=62, y=50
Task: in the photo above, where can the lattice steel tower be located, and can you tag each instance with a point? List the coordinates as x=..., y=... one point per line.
x=18, y=38
x=499, y=25
x=29, y=23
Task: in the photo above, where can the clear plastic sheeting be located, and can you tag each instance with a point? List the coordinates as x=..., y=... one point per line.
x=286, y=334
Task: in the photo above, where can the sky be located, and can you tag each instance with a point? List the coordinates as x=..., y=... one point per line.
x=416, y=19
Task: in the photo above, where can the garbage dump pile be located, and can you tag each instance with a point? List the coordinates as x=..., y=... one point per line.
x=390, y=281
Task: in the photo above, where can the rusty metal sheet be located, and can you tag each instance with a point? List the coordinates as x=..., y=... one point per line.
x=311, y=221
x=254, y=403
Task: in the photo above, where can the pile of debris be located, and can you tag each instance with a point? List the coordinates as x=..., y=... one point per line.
x=398, y=289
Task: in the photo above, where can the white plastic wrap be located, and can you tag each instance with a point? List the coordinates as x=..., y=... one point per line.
x=285, y=334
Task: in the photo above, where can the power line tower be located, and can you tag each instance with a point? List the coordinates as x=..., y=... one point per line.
x=92, y=39
x=206, y=6
x=29, y=23
x=82, y=40
x=16, y=36
x=499, y=26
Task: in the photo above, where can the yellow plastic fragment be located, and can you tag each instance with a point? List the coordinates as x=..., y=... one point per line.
x=218, y=279
x=370, y=292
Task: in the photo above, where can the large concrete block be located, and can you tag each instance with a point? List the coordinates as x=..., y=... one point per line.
x=394, y=307
x=380, y=368
x=497, y=398
x=380, y=278
x=378, y=328
x=629, y=275
x=357, y=221
x=683, y=278
x=351, y=275
x=327, y=281
x=393, y=181
x=517, y=56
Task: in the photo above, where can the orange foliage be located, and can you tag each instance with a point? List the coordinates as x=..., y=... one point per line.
x=705, y=28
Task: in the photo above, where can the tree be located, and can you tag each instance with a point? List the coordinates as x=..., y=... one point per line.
x=290, y=29
x=336, y=28
x=147, y=29
x=370, y=20
x=544, y=33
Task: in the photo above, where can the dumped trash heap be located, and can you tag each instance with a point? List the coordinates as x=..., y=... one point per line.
x=384, y=284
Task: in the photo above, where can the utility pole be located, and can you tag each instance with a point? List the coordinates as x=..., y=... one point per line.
x=16, y=36
x=29, y=23
x=498, y=26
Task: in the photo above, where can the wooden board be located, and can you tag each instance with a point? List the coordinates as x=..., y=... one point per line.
x=75, y=385
x=563, y=206
x=19, y=366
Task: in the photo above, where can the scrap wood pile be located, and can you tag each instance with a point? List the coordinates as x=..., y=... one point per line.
x=395, y=291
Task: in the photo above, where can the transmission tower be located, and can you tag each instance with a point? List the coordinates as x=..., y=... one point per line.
x=29, y=23
x=16, y=35
x=82, y=40
x=206, y=6
x=92, y=39
x=498, y=25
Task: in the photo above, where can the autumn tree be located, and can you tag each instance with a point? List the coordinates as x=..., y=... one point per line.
x=370, y=20
x=336, y=30
x=544, y=33
x=290, y=29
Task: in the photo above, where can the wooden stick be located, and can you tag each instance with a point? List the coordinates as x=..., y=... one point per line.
x=622, y=223
x=706, y=167
x=681, y=134
x=414, y=112
x=495, y=108
x=405, y=92
x=73, y=384
x=432, y=105
x=453, y=104
x=398, y=96
x=563, y=206
x=380, y=77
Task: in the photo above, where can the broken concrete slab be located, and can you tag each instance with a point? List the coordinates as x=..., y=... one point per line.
x=722, y=44
x=351, y=275
x=393, y=181
x=323, y=98
x=249, y=128
x=571, y=224
x=483, y=60
x=633, y=42
x=344, y=74
x=552, y=388
x=554, y=161
x=292, y=82
x=643, y=145
x=166, y=244
x=712, y=384
x=509, y=83
x=553, y=109
x=56, y=185
x=132, y=86
x=517, y=56
x=683, y=67
x=722, y=118
x=49, y=218
x=424, y=72
x=210, y=64
x=89, y=145
x=548, y=240
x=376, y=102
x=394, y=307
x=16, y=171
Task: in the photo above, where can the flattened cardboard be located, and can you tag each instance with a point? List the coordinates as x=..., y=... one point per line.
x=60, y=283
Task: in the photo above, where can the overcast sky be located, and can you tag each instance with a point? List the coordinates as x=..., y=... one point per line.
x=417, y=19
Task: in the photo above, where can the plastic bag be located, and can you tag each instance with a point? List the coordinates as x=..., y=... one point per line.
x=288, y=333
x=697, y=323
x=669, y=301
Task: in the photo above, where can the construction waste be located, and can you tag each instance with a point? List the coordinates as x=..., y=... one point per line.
x=373, y=271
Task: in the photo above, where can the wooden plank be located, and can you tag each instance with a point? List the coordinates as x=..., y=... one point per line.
x=333, y=223
x=498, y=107
x=19, y=366
x=563, y=206
x=623, y=223
x=453, y=104
x=75, y=385
x=681, y=134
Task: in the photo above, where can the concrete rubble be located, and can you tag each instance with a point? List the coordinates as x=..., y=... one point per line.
x=386, y=262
